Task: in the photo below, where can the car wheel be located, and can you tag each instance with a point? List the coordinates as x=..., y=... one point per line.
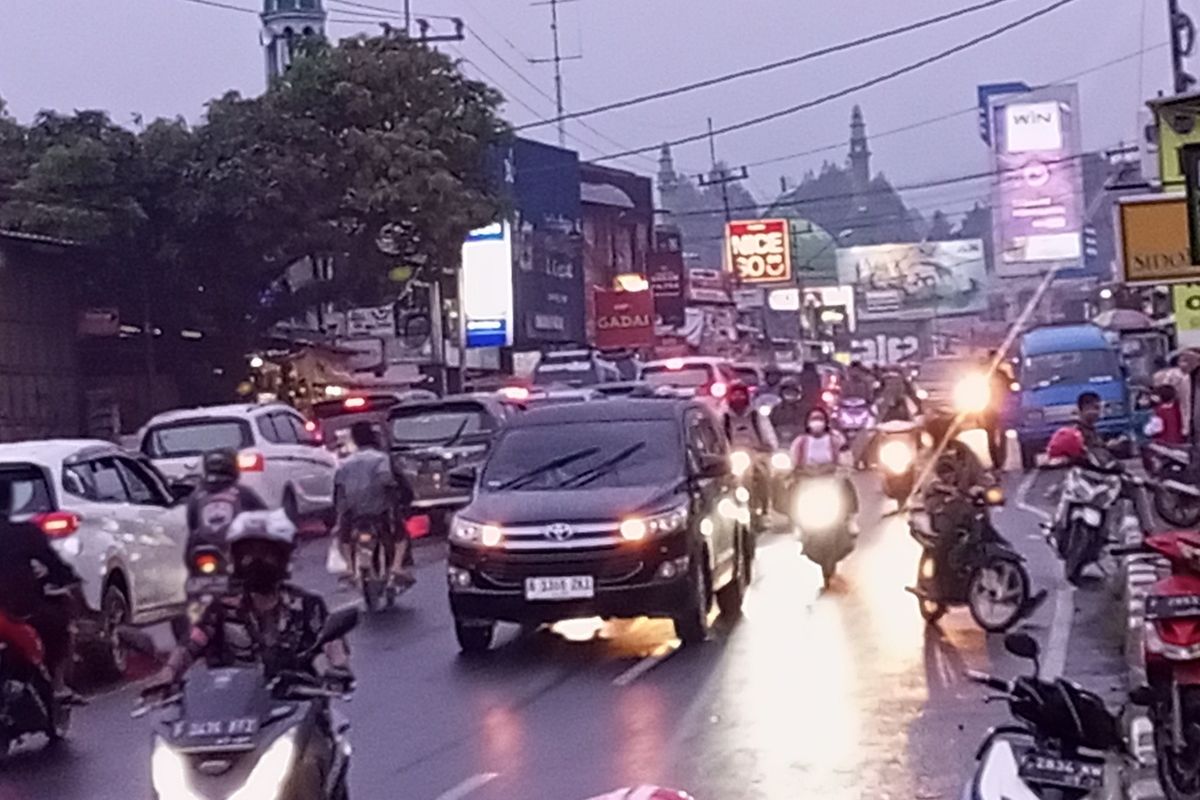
x=291, y=507
x=730, y=597
x=474, y=637
x=691, y=625
x=114, y=615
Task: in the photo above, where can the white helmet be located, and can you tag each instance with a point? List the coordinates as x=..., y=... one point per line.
x=268, y=526
x=260, y=547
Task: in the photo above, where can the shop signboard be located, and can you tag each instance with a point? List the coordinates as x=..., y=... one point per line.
x=624, y=319
x=759, y=251
x=665, y=273
x=487, y=287
x=915, y=280
x=1153, y=240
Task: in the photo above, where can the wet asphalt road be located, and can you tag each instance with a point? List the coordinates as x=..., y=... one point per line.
x=837, y=694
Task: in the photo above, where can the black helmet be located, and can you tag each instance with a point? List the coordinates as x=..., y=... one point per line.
x=220, y=467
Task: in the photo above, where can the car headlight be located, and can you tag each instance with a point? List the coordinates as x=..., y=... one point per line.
x=896, y=456
x=818, y=506
x=972, y=394
x=465, y=531
x=634, y=529
x=781, y=462
x=270, y=773
x=739, y=463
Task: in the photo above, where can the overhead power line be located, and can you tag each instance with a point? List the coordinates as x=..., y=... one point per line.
x=758, y=70
x=854, y=88
x=226, y=6
x=392, y=11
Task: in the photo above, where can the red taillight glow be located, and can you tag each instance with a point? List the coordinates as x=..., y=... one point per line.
x=354, y=403
x=57, y=524
x=517, y=394
x=828, y=397
x=718, y=389
x=206, y=563
x=251, y=461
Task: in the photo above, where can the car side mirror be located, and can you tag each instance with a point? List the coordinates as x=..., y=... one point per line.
x=463, y=477
x=337, y=626
x=712, y=466
x=180, y=490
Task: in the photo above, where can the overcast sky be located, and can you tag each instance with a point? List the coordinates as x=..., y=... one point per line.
x=167, y=57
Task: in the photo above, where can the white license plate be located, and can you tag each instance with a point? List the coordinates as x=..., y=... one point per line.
x=572, y=587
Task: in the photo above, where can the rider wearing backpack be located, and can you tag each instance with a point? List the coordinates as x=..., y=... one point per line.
x=212, y=507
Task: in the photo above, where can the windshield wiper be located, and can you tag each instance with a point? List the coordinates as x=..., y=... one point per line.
x=601, y=469
x=561, y=461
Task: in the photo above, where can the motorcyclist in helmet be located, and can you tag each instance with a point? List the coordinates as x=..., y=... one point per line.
x=789, y=416
x=217, y=501
x=751, y=431
x=957, y=471
x=266, y=620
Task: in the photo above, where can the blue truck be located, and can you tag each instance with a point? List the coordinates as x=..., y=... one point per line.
x=1054, y=365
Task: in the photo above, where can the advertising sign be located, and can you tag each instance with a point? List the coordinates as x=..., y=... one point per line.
x=486, y=291
x=665, y=272
x=707, y=286
x=1189, y=159
x=1153, y=233
x=378, y=322
x=1038, y=188
x=624, y=319
x=985, y=93
x=889, y=343
x=1176, y=121
x=759, y=250
x=1186, y=301
x=915, y=280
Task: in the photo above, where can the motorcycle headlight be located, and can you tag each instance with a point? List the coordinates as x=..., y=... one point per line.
x=896, y=456
x=168, y=773
x=739, y=463
x=270, y=773
x=818, y=506
x=467, y=532
x=972, y=394
x=781, y=462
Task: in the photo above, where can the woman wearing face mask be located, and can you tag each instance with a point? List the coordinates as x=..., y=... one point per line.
x=815, y=452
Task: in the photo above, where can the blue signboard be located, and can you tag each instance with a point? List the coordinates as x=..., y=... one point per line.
x=984, y=93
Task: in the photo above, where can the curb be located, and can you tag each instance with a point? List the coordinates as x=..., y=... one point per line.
x=1137, y=574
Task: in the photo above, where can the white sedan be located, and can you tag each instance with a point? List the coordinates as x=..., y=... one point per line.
x=111, y=516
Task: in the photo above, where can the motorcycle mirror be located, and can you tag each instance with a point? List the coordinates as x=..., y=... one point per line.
x=1022, y=645
x=1142, y=696
x=338, y=625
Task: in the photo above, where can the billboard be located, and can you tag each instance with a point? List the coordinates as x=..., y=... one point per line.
x=624, y=319
x=915, y=280
x=1153, y=239
x=665, y=273
x=486, y=289
x=1038, y=187
x=1185, y=299
x=759, y=251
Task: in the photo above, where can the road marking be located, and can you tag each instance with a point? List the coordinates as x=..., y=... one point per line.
x=471, y=784
x=1060, y=632
x=1023, y=492
x=660, y=654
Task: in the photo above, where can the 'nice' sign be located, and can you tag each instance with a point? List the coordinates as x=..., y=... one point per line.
x=760, y=250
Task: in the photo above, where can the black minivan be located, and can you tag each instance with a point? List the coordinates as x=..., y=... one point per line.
x=616, y=509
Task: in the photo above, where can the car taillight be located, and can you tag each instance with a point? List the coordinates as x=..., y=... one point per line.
x=355, y=403
x=57, y=524
x=251, y=461
x=718, y=389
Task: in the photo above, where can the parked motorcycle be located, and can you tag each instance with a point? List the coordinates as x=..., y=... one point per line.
x=27, y=703
x=899, y=443
x=1176, y=496
x=232, y=733
x=1081, y=526
x=1171, y=646
x=822, y=516
x=985, y=573
x=1066, y=744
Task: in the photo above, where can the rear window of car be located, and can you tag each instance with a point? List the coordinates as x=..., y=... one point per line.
x=30, y=490
x=695, y=375
x=746, y=375
x=438, y=424
x=572, y=373
x=193, y=438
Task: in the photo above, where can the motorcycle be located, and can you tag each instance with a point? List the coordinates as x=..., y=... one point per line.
x=854, y=415
x=1066, y=743
x=1176, y=498
x=232, y=733
x=822, y=517
x=1171, y=647
x=899, y=443
x=27, y=702
x=371, y=565
x=1080, y=528
x=989, y=576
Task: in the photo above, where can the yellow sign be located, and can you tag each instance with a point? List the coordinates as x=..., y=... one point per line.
x=1154, y=240
x=1178, y=122
x=1186, y=298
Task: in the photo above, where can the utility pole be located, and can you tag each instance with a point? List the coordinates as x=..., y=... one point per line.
x=557, y=61
x=1183, y=42
x=720, y=176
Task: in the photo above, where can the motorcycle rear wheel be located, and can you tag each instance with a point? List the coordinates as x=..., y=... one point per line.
x=997, y=594
x=1076, y=552
x=1179, y=772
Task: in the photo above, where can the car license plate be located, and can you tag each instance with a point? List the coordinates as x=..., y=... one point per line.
x=572, y=587
x=1066, y=772
x=1172, y=606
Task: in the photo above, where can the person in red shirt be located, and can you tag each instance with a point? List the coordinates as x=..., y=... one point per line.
x=1170, y=416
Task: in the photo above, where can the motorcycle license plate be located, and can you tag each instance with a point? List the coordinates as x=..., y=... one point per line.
x=571, y=587
x=1066, y=772
x=215, y=734
x=207, y=584
x=1172, y=606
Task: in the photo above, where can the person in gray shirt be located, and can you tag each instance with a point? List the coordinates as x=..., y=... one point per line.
x=368, y=494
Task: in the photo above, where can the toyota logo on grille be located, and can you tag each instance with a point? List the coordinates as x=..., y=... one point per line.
x=559, y=532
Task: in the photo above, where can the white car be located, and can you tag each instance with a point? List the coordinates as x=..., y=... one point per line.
x=112, y=518
x=691, y=376
x=279, y=455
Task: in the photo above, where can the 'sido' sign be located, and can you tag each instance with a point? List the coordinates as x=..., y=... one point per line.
x=760, y=250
